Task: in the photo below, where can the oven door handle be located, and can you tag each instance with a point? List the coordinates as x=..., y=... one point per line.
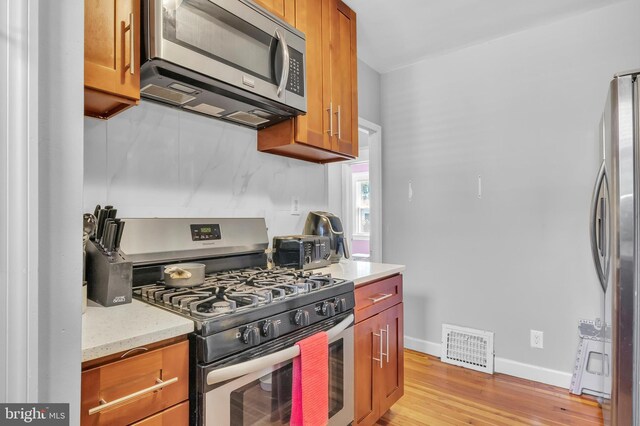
x=238, y=370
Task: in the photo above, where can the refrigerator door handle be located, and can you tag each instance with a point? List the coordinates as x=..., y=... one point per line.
x=598, y=226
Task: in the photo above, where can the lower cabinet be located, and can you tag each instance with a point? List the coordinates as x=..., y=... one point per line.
x=379, y=352
x=175, y=416
x=150, y=387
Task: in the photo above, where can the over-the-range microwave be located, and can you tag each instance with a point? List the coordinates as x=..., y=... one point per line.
x=228, y=59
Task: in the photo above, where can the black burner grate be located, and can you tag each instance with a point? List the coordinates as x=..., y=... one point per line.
x=228, y=292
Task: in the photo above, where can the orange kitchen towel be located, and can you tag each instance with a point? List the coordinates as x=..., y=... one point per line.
x=310, y=387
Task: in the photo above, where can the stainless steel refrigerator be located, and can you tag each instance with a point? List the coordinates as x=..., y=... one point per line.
x=615, y=241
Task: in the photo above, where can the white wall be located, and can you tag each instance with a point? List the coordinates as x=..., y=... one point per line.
x=157, y=161
x=523, y=112
x=60, y=151
x=18, y=202
x=368, y=93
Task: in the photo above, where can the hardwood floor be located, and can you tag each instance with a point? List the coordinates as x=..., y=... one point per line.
x=441, y=394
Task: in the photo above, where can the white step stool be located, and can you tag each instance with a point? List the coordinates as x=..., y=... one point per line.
x=592, y=368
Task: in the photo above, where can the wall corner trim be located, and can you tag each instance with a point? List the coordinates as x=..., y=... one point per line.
x=502, y=365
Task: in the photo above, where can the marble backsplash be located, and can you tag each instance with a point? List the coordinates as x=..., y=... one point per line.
x=157, y=161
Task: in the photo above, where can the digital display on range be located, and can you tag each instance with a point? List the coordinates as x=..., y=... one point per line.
x=205, y=232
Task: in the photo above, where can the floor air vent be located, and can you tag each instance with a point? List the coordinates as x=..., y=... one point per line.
x=467, y=347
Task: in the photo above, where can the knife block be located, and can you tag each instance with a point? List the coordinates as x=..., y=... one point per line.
x=108, y=276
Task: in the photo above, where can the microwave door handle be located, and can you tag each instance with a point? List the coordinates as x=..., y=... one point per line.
x=238, y=370
x=595, y=227
x=285, y=63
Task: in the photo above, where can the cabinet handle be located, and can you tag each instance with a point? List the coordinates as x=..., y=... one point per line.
x=132, y=44
x=381, y=353
x=106, y=405
x=330, y=111
x=381, y=298
x=387, y=353
x=382, y=330
x=339, y=132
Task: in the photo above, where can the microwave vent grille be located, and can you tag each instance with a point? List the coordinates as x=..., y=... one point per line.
x=467, y=347
x=246, y=118
x=206, y=109
x=168, y=95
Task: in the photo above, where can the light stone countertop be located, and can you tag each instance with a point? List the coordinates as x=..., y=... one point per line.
x=361, y=272
x=107, y=331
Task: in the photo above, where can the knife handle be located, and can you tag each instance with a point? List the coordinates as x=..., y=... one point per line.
x=105, y=233
x=112, y=236
x=119, y=233
x=102, y=215
x=112, y=213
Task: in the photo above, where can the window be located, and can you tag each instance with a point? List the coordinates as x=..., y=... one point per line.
x=361, y=202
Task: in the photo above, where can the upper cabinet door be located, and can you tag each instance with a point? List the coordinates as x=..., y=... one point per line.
x=111, y=56
x=311, y=127
x=283, y=9
x=344, y=79
x=111, y=44
x=101, y=41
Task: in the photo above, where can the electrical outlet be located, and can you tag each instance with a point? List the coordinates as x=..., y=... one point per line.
x=295, y=206
x=537, y=339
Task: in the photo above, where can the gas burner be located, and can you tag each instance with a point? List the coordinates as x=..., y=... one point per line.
x=220, y=307
x=212, y=307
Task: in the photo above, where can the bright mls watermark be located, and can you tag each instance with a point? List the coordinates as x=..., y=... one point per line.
x=34, y=414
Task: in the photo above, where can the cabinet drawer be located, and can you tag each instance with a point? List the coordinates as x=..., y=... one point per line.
x=174, y=416
x=375, y=297
x=125, y=391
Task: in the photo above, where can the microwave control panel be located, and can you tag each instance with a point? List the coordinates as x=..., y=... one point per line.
x=296, y=73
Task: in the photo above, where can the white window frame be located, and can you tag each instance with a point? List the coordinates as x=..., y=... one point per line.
x=355, y=179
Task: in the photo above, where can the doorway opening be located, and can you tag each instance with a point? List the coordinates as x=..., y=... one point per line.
x=355, y=190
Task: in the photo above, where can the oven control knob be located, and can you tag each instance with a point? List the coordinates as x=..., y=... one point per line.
x=301, y=317
x=251, y=335
x=270, y=329
x=328, y=309
x=340, y=303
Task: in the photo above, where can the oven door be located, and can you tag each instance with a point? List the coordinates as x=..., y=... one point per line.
x=263, y=396
x=232, y=41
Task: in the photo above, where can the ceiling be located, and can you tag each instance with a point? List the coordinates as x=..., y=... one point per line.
x=393, y=34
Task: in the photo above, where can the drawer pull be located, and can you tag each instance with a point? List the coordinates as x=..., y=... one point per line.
x=106, y=405
x=381, y=298
x=130, y=351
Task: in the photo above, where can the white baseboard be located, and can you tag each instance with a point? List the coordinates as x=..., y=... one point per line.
x=502, y=365
x=422, y=346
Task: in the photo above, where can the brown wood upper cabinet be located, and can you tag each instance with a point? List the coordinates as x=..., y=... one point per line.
x=111, y=56
x=283, y=9
x=329, y=130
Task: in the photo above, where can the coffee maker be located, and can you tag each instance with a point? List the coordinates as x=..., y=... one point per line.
x=329, y=225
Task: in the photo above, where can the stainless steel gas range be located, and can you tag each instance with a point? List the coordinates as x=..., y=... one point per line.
x=248, y=317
